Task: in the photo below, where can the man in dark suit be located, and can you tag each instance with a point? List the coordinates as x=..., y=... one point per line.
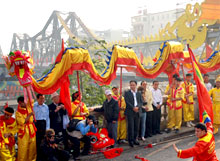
x=134, y=104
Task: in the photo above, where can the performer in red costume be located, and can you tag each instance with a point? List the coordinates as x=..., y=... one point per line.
x=204, y=149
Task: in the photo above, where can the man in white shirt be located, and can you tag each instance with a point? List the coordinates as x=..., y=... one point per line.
x=208, y=85
x=157, y=102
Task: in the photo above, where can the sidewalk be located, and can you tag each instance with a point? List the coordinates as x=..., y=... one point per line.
x=155, y=139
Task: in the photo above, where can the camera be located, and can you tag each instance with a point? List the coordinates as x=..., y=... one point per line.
x=96, y=122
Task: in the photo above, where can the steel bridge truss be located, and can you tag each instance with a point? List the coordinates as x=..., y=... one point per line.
x=47, y=43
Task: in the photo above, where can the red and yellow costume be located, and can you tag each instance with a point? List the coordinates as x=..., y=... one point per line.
x=215, y=94
x=82, y=109
x=122, y=127
x=204, y=149
x=188, y=107
x=26, y=135
x=7, y=145
x=174, y=107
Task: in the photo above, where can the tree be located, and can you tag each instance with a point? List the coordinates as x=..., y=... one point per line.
x=92, y=93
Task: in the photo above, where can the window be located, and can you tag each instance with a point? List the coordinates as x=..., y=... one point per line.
x=152, y=18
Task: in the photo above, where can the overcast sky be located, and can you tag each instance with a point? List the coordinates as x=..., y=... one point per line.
x=28, y=16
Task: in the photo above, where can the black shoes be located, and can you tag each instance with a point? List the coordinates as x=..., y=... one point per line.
x=148, y=135
x=158, y=132
x=177, y=130
x=131, y=144
x=136, y=142
x=154, y=133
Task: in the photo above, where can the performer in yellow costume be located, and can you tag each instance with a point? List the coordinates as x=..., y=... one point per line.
x=79, y=109
x=188, y=103
x=215, y=94
x=122, y=127
x=174, y=102
x=8, y=129
x=26, y=131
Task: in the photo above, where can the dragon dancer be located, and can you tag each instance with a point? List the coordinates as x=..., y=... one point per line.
x=204, y=149
x=175, y=96
x=26, y=131
x=122, y=126
x=215, y=94
x=79, y=109
x=8, y=129
x=188, y=103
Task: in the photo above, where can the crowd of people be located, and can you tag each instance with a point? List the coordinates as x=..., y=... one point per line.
x=133, y=116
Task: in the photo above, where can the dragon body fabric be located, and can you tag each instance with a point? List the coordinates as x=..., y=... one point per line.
x=167, y=58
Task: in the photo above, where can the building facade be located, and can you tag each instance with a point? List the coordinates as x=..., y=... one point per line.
x=150, y=23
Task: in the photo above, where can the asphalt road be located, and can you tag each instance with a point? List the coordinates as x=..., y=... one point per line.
x=162, y=152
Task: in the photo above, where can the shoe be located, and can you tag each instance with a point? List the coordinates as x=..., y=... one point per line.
x=188, y=124
x=192, y=124
x=123, y=141
x=143, y=139
x=136, y=142
x=168, y=130
x=177, y=131
x=158, y=132
x=131, y=144
x=149, y=135
x=154, y=133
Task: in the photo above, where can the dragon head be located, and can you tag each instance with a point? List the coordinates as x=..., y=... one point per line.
x=20, y=63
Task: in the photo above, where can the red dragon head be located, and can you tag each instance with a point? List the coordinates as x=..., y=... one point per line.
x=19, y=63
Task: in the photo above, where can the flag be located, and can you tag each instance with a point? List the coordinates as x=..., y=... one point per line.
x=208, y=51
x=204, y=100
x=141, y=57
x=59, y=56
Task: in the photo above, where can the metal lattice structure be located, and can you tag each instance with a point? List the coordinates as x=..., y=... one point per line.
x=46, y=44
x=1, y=54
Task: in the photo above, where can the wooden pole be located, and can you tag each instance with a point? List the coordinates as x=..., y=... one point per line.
x=120, y=85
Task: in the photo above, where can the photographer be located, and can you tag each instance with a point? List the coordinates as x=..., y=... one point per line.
x=79, y=134
x=50, y=150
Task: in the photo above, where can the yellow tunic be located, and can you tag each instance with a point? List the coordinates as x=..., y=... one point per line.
x=26, y=135
x=122, y=127
x=215, y=94
x=175, y=107
x=83, y=109
x=188, y=108
x=7, y=145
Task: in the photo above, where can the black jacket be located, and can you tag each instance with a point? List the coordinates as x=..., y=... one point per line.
x=110, y=109
x=56, y=118
x=53, y=154
x=129, y=100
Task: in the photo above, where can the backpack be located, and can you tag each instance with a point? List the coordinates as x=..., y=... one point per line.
x=72, y=124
